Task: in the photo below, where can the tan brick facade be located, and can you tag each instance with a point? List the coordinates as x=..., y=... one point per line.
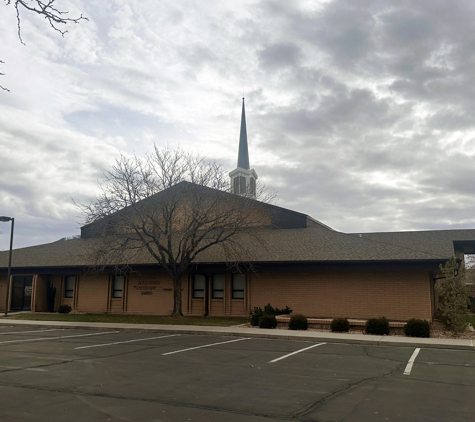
x=398, y=295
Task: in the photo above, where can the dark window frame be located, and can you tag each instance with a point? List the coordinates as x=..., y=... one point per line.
x=215, y=290
x=196, y=291
x=236, y=185
x=236, y=292
x=242, y=185
x=69, y=292
x=115, y=291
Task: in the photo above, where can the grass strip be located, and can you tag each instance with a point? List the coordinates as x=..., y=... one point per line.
x=133, y=319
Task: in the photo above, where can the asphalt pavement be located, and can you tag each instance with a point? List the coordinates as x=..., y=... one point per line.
x=141, y=373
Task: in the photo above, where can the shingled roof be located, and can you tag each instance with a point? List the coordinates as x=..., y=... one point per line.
x=437, y=242
x=293, y=238
x=282, y=218
x=310, y=245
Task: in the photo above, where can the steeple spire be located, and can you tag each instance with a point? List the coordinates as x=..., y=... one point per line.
x=243, y=155
x=243, y=178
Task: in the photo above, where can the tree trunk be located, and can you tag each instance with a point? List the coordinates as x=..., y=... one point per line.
x=177, y=312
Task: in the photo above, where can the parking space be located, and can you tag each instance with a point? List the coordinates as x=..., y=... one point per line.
x=116, y=376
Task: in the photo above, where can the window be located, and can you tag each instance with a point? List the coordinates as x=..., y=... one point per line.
x=236, y=185
x=117, y=286
x=253, y=186
x=242, y=184
x=199, y=282
x=69, y=285
x=239, y=185
x=238, y=286
x=218, y=286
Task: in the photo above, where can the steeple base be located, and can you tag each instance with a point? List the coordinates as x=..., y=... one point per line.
x=243, y=182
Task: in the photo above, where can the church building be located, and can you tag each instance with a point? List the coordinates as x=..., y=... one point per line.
x=291, y=260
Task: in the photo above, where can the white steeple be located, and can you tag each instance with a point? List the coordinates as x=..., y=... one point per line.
x=243, y=178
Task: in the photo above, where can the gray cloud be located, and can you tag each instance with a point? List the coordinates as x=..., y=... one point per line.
x=359, y=113
x=279, y=55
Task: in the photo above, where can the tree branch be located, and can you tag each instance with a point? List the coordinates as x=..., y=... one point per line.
x=47, y=9
x=3, y=74
x=146, y=208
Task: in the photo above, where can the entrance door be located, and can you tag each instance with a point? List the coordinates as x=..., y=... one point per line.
x=21, y=293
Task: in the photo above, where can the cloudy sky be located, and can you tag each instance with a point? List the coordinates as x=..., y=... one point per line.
x=360, y=113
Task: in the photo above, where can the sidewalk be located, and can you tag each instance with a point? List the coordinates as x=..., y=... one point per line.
x=315, y=336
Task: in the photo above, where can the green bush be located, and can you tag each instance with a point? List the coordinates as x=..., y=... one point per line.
x=417, y=328
x=453, y=299
x=379, y=326
x=267, y=321
x=298, y=322
x=255, y=315
x=340, y=325
x=64, y=309
x=269, y=310
x=472, y=305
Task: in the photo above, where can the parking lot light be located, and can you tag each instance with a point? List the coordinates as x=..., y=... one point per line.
x=6, y=219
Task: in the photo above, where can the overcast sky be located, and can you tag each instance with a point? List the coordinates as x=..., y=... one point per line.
x=359, y=113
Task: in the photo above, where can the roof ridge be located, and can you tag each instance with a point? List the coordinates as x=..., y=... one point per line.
x=412, y=231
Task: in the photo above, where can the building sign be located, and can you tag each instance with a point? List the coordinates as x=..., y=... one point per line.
x=146, y=287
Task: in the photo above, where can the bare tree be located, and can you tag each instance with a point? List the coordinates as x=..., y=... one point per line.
x=170, y=208
x=55, y=17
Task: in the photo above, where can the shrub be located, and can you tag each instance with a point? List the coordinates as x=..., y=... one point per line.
x=472, y=304
x=64, y=309
x=340, y=325
x=298, y=322
x=453, y=299
x=417, y=328
x=255, y=315
x=269, y=310
x=379, y=326
x=267, y=321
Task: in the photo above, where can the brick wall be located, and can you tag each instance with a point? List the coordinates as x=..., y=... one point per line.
x=150, y=293
x=91, y=294
x=39, y=295
x=398, y=295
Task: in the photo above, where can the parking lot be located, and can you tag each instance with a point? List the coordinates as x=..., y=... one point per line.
x=86, y=375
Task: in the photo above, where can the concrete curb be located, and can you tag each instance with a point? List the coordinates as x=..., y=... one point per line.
x=459, y=344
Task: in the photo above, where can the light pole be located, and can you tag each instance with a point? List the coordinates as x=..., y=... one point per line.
x=6, y=219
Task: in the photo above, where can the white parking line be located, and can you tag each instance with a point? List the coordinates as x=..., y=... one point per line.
x=55, y=338
x=408, y=369
x=206, y=345
x=35, y=331
x=122, y=342
x=294, y=353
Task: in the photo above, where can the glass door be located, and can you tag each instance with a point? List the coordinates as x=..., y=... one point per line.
x=21, y=293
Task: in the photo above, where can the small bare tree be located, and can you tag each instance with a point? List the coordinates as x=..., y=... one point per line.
x=171, y=207
x=48, y=10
